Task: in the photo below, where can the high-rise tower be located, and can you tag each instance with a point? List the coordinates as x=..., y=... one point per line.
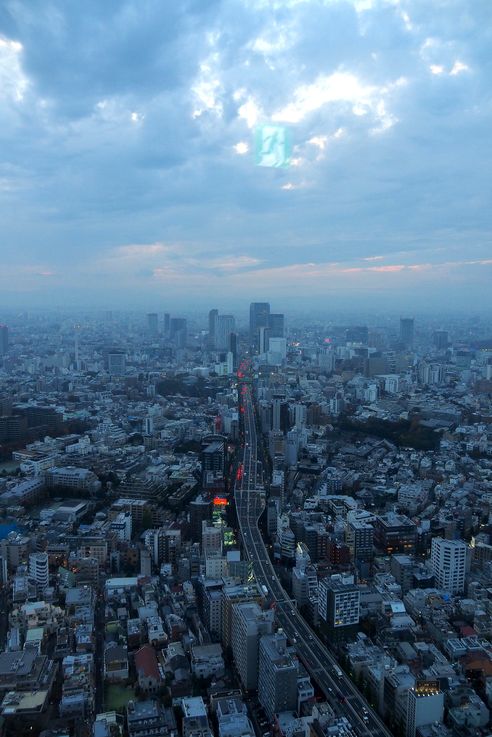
x=4, y=339
x=407, y=325
x=212, y=327
x=153, y=323
x=259, y=317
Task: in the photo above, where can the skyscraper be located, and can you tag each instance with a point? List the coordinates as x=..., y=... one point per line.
x=4, y=339
x=406, y=331
x=262, y=340
x=212, y=327
x=225, y=325
x=259, y=316
x=448, y=563
x=178, y=331
x=233, y=349
x=276, y=325
x=153, y=323
x=167, y=318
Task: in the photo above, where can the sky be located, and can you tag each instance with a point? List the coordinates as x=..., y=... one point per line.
x=127, y=161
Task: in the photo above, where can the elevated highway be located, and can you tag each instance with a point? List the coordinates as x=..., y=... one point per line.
x=343, y=696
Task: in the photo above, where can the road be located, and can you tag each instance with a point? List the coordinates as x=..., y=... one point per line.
x=320, y=663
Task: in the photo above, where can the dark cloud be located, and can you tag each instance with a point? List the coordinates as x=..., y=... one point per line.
x=119, y=122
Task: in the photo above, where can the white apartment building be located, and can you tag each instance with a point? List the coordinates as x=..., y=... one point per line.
x=448, y=563
x=38, y=568
x=425, y=706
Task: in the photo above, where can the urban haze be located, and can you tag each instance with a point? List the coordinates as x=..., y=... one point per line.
x=245, y=368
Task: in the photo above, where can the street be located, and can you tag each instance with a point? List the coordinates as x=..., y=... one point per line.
x=341, y=693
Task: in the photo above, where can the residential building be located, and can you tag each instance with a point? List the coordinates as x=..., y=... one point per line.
x=249, y=623
x=277, y=675
x=448, y=563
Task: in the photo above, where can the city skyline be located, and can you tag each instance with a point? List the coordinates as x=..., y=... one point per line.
x=127, y=172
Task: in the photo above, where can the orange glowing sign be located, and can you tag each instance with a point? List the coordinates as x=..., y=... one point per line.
x=220, y=502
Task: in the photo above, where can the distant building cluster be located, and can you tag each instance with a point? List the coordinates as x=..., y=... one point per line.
x=129, y=598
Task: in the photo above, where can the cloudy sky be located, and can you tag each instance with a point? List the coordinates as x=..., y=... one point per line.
x=127, y=167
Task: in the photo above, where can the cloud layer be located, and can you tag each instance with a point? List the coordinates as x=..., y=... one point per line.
x=127, y=169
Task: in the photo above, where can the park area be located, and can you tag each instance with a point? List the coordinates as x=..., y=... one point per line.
x=117, y=697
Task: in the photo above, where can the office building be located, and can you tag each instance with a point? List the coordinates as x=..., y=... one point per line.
x=249, y=623
x=448, y=563
x=225, y=325
x=4, y=339
x=441, y=340
x=212, y=606
x=38, y=569
x=397, y=683
x=395, y=533
x=262, y=340
x=402, y=567
x=425, y=706
x=359, y=536
x=276, y=327
x=213, y=459
x=431, y=374
x=280, y=414
x=236, y=594
x=200, y=509
x=211, y=539
x=167, y=322
x=178, y=331
x=152, y=323
x=304, y=577
x=277, y=675
x=292, y=445
x=287, y=543
x=212, y=327
x=339, y=604
x=164, y=544
x=233, y=348
x=116, y=363
x=406, y=331
x=298, y=413
x=259, y=317
x=277, y=350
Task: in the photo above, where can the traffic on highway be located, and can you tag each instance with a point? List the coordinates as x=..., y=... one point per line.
x=341, y=693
